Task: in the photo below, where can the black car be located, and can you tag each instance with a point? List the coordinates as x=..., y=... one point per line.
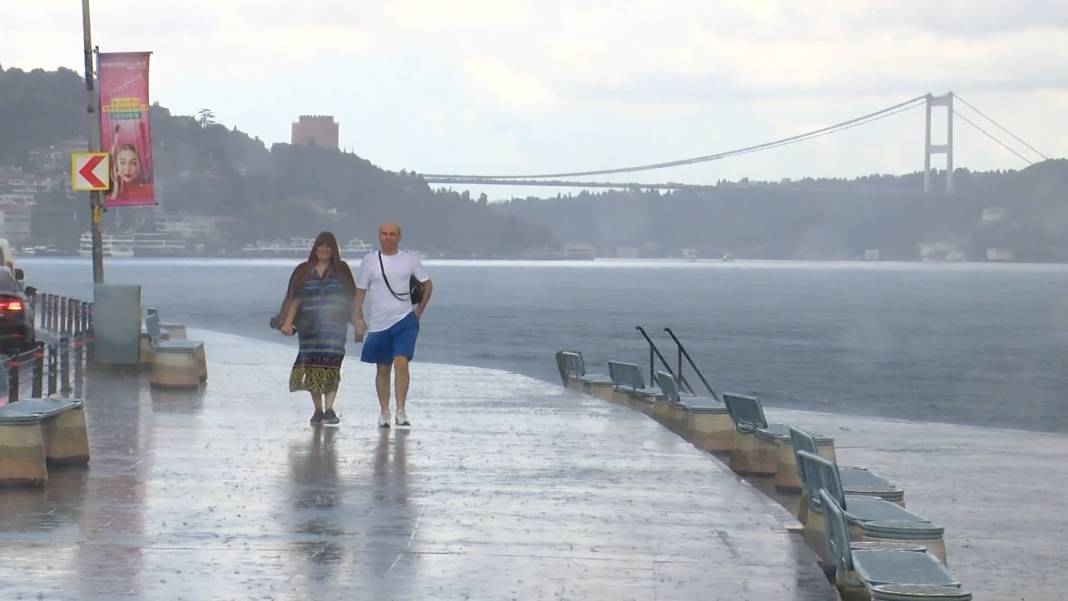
x=17, y=331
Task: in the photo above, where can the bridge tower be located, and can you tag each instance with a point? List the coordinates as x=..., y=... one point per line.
x=945, y=100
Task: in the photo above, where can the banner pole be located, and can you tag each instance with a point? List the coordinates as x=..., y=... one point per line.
x=94, y=145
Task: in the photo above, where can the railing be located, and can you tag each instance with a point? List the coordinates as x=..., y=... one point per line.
x=57, y=361
x=654, y=352
x=683, y=353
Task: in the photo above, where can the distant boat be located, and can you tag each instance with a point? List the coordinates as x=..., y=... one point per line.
x=300, y=247
x=110, y=245
x=727, y=258
x=579, y=252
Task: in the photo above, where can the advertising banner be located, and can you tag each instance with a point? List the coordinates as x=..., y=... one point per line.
x=125, y=129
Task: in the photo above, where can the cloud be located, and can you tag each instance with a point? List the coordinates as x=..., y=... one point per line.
x=516, y=85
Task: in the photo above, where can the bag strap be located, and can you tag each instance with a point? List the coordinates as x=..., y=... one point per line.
x=384, y=278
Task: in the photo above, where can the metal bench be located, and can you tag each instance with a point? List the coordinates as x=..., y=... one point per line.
x=761, y=447
x=869, y=518
x=176, y=363
x=629, y=387
x=855, y=480
x=38, y=432
x=705, y=421
x=577, y=378
x=881, y=574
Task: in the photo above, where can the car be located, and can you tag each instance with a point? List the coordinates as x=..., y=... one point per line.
x=17, y=330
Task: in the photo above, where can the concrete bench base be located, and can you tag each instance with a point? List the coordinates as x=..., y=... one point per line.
x=602, y=391
x=753, y=455
x=711, y=431
x=66, y=439
x=148, y=354
x=35, y=433
x=22, y=455
x=179, y=369
x=174, y=331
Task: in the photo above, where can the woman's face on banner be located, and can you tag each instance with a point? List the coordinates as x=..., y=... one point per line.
x=127, y=165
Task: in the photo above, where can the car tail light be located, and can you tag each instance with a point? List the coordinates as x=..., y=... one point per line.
x=10, y=305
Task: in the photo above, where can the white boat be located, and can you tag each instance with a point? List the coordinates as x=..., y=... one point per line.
x=111, y=245
x=356, y=248
x=301, y=247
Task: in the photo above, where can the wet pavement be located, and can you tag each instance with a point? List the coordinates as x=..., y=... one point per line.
x=504, y=488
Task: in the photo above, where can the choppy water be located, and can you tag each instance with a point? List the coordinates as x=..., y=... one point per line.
x=975, y=344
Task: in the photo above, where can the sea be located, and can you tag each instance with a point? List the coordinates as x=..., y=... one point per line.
x=980, y=344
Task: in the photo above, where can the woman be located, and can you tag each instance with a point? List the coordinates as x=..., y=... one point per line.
x=318, y=306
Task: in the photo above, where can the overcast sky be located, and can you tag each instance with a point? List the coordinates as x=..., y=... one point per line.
x=507, y=86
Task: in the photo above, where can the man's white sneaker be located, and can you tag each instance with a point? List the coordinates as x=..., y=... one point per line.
x=383, y=419
x=402, y=418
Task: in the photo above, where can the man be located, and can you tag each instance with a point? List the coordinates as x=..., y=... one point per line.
x=392, y=322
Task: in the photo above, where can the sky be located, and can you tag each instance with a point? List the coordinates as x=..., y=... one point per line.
x=515, y=86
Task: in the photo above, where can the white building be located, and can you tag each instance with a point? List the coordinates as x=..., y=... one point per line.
x=16, y=217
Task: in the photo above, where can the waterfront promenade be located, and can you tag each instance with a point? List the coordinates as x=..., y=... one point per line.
x=505, y=488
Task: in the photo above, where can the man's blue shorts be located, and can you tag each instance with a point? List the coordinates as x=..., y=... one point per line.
x=396, y=341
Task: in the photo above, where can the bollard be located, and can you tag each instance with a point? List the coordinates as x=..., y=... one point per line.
x=12, y=379
x=72, y=313
x=52, y=369
x=64, y=361
x=79, y=358
x=38, y=369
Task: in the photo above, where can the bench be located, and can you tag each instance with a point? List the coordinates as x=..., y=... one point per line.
x=704, y=421
x=38, y=432
x=168, y=331
x=577, y=379
x=629, y=387
x=882, y=574
x=855, y=480
x=869, y=518
x=176, y=363
x=761, y=447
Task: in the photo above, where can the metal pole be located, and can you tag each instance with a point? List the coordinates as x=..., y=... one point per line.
x=52, y=365
x=92, y=100
x=927, y=150
x=64, y=363
x=38, y=369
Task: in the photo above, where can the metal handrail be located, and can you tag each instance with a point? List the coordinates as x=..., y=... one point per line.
x=654, y=351
x=684, y=353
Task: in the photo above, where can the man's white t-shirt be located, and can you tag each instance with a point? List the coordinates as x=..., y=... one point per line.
x=381, y=308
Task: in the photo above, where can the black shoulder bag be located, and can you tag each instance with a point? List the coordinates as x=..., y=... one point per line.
x=415, y=287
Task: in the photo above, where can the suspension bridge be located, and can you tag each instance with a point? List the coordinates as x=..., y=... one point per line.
x=950, y=101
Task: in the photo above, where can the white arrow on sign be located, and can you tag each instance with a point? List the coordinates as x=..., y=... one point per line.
x=89, y=171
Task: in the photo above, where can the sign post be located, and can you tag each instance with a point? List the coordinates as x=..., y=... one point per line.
x=95, y=205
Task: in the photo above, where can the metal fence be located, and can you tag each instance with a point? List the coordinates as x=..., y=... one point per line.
x=57, y=361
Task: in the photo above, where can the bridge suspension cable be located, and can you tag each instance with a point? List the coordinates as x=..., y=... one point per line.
x=1015, y=137
x=830, y=129
x=992, y=137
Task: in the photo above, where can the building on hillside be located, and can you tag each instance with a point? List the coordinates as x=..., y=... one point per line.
x=16, y=180
x=16, y=217
x=316, y=130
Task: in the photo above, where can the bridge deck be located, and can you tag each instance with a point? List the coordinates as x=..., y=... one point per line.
x=506, y=487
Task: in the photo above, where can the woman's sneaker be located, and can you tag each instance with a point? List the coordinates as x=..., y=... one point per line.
x=316, y=418
x=402, y=418
x=330, y=418
x=383, y=419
